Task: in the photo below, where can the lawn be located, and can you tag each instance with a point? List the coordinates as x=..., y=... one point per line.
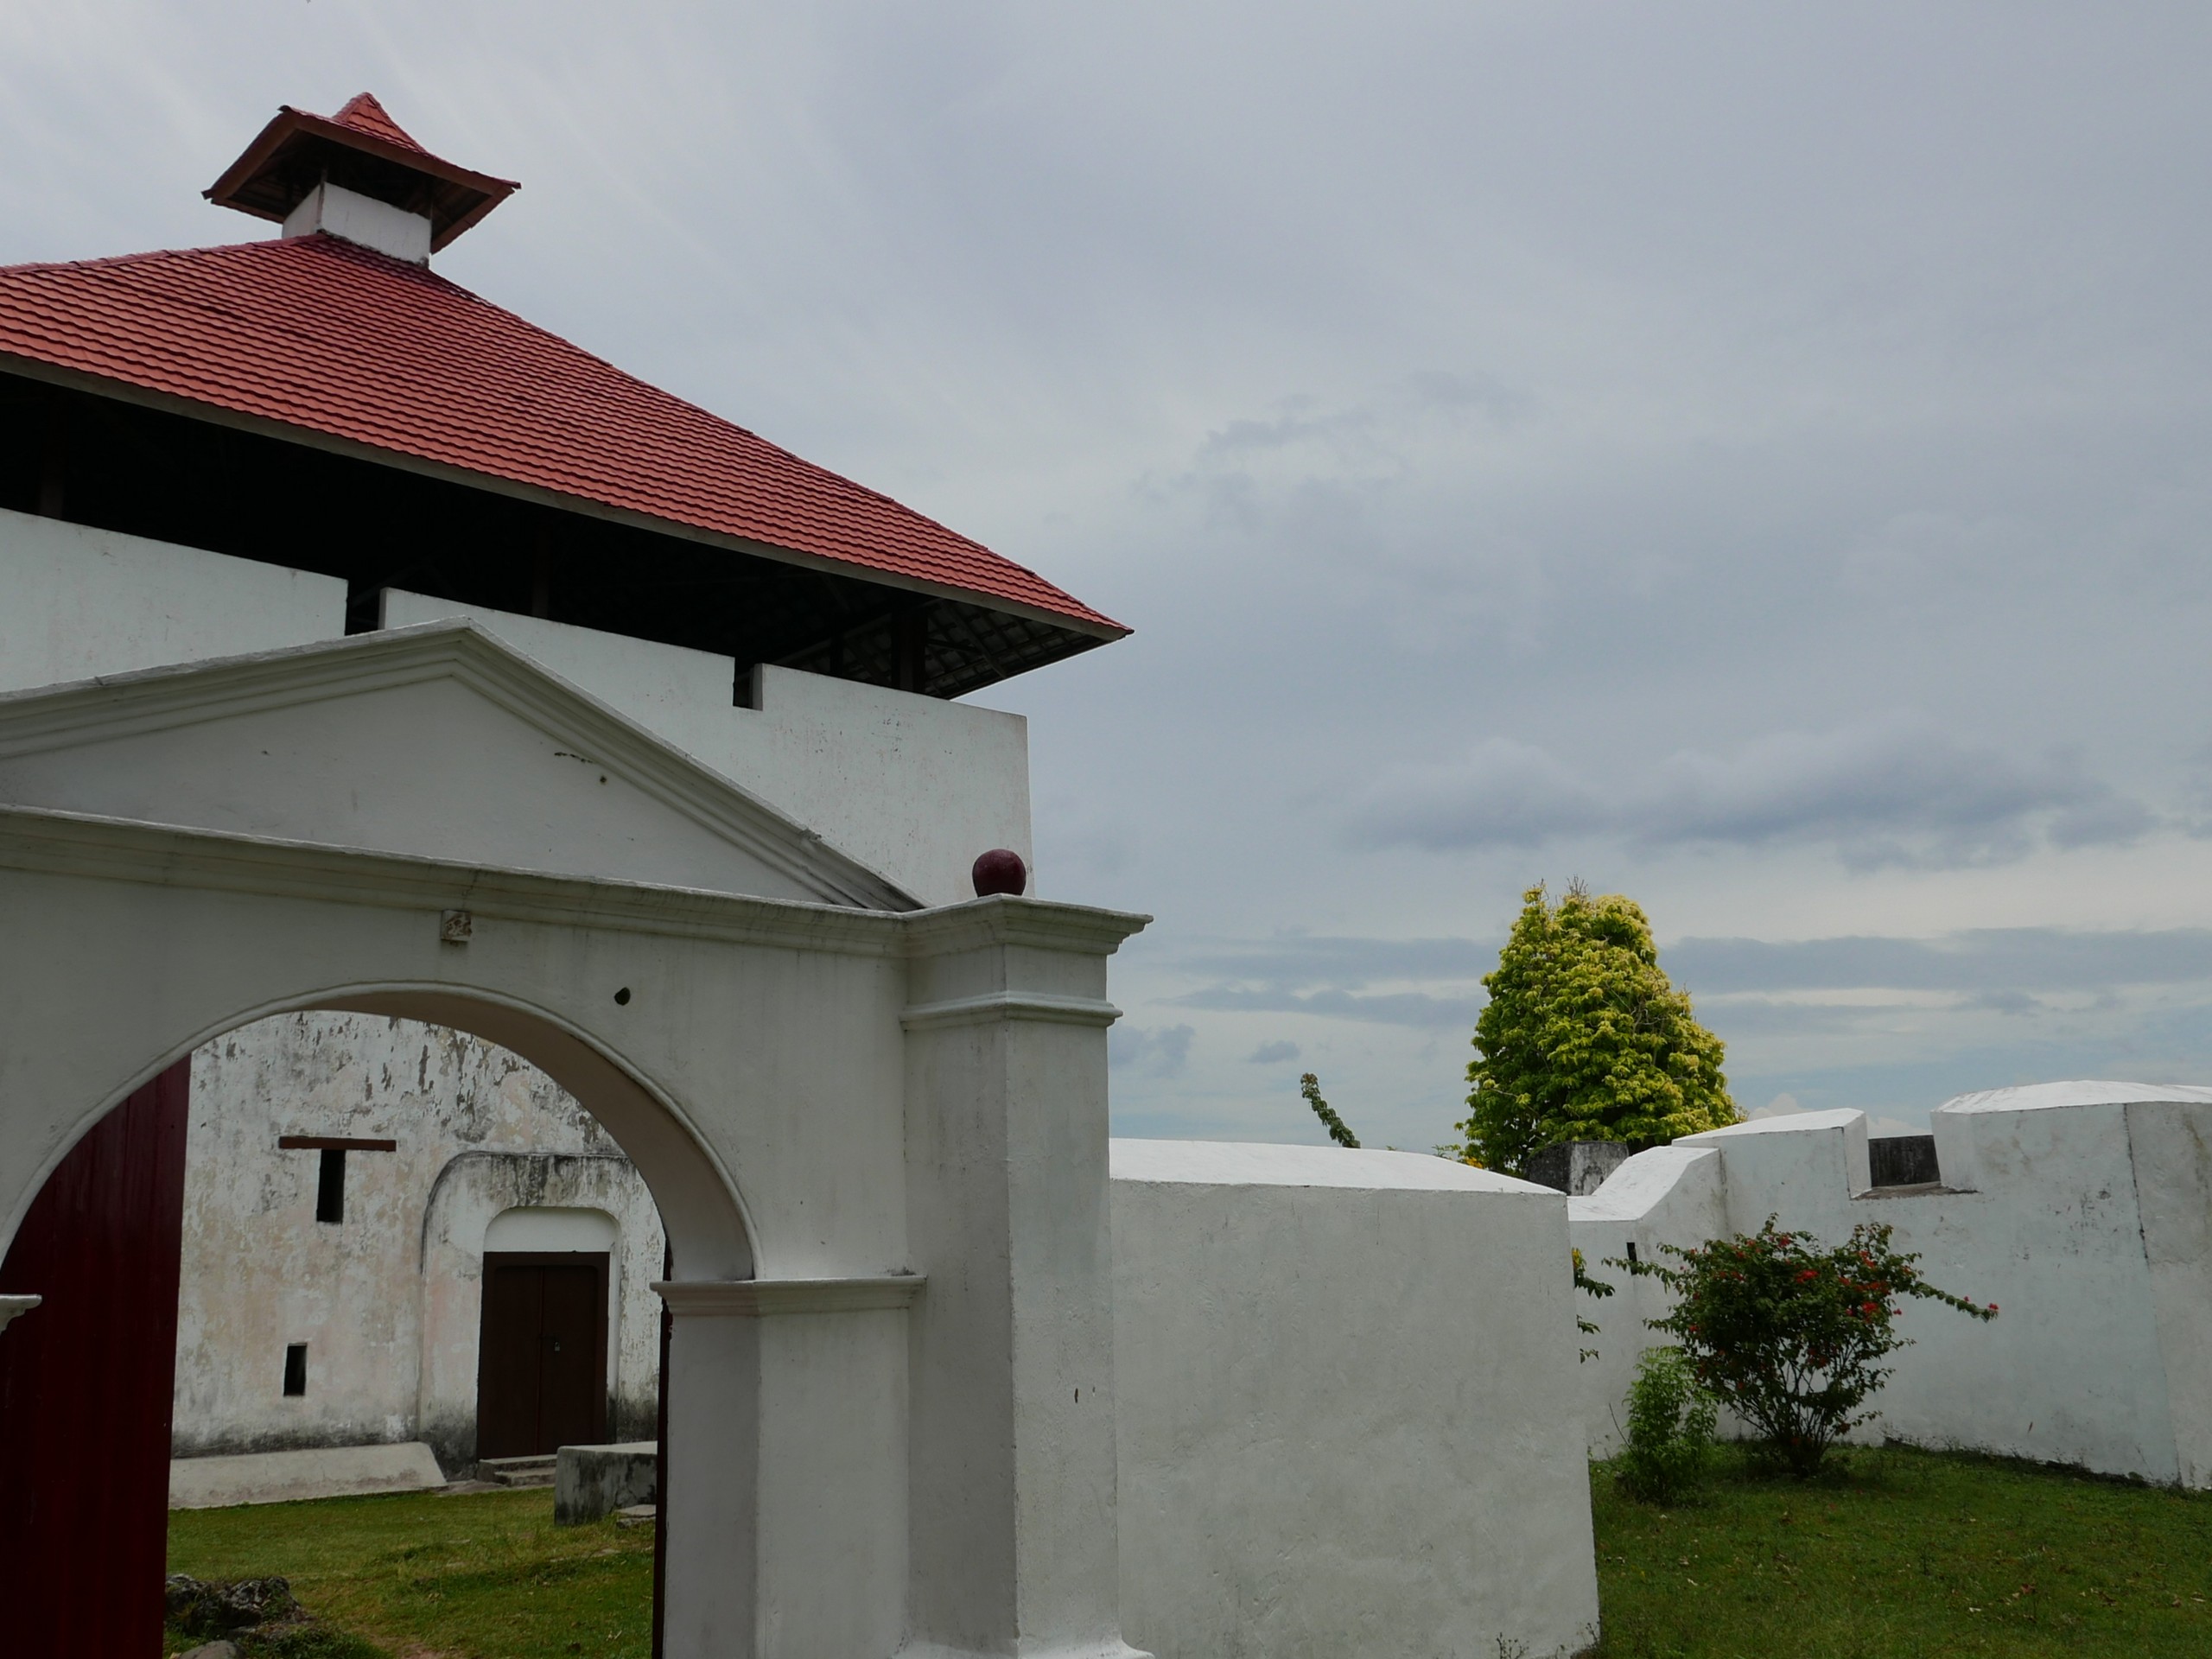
x=1895, y=1555
x=486, y=1575
x=1900, y=1553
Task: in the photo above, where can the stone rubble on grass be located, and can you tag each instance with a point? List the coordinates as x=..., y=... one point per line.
x=219, y=1610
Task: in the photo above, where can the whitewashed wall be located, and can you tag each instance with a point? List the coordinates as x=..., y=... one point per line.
x=914, y=787
x=77, y=602
x=388, y=1301
x=2084, y=1210
x=1344, y=1384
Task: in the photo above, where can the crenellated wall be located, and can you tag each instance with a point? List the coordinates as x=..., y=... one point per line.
x=2082, y=1209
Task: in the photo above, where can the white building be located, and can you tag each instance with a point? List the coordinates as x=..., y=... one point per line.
x=448, y=788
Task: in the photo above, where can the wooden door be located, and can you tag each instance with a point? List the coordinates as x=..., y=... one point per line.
x=87, y=1383
x=541, y=1367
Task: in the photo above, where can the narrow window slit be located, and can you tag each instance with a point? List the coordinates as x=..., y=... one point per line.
x=330, y=1186
x=295, y=1369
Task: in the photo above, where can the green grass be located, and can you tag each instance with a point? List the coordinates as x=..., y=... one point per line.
x=1898, y=1553
x=483, y=1576
x=1895, y=1555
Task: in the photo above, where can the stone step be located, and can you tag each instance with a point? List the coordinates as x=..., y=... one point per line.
x=519, y=1472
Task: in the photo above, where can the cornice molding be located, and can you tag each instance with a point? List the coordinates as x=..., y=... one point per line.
x=994, y=1007
x=47, y=842
x=758, y=1298
x=12, y=1308
x=1038, y=924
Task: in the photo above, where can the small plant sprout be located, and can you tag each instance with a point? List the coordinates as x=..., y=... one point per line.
x=1310, y=1086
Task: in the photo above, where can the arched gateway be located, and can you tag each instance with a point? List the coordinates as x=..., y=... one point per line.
x=877, y=1134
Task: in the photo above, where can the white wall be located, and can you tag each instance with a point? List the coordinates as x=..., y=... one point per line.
x=1345, y=1387
x=914, y=787
x=2080, y=1209
x=388, y=1301
x=77, y=602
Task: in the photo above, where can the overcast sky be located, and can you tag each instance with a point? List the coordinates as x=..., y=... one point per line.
x=1752, y=458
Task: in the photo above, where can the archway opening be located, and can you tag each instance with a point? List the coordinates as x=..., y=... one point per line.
x=351, y=1180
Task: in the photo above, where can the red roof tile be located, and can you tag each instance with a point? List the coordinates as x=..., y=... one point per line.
x=364, y=114
x=329, y=337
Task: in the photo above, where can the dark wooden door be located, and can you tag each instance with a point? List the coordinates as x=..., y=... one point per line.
x=87, y=1382
x=541, y=1367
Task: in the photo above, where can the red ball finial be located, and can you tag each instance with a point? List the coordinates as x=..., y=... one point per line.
x=999, y=871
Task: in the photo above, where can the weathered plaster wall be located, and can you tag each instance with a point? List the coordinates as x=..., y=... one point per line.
x=388, y=1301
x=76, y=603
x=2079, y=1209
x=1339, y=1378
x=914, y=787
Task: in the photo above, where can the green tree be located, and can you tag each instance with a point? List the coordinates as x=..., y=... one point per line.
x=1584, y=1040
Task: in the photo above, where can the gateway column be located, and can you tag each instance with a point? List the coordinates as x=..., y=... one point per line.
x=1011, y=1499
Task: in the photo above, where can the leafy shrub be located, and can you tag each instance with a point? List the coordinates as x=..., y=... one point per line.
x=1670, y=1422
x=1788, y=1335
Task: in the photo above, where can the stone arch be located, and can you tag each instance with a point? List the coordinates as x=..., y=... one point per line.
x=701, y=1209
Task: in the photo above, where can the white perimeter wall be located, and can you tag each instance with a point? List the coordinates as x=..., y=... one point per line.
x=1345, y=1394
x=76, y=603
x=2081, y=1209
x=914, y=787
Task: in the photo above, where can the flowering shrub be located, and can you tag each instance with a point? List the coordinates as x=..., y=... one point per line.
x=1789, y=1335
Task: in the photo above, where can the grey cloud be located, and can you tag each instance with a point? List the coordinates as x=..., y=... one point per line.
x=1336, y=960
x=1149, y=1051
x=1976, y=962
x=1893, y=791
x=1390, y=1009
x=1273, y=1054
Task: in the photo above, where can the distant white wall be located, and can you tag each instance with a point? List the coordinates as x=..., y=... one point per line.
x=2083, y=1210
x=77, y=602
x=1344, y=1387
x=492, y=1154
x=914, y=787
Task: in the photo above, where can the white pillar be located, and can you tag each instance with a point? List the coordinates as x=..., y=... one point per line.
x=785, y=1489
x=1015, y=1550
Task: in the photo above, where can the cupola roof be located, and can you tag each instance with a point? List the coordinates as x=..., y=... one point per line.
x=363, y=150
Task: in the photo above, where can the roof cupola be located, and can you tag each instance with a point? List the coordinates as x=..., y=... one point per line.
x=357, y=174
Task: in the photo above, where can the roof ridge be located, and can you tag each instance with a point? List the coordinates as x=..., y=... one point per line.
x=364, y=113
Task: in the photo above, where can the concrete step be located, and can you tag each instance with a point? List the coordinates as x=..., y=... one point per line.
x=519, y=1472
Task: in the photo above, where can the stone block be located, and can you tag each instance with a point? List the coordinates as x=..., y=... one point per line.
x=591, y=1481
x=286, y=1477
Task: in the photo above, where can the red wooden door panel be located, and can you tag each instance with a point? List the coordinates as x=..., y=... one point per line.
x=87, y=1382
x=541, y=1363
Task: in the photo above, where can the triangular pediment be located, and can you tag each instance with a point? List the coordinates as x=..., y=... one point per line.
x=437, y=741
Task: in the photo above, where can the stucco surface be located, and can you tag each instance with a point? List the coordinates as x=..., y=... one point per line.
x=2078, y=1208
x=76, y=603
x=1340, y=1377
x=912, y=786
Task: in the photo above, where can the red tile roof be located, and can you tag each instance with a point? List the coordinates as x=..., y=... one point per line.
x=364, y=114
x=325, y=336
